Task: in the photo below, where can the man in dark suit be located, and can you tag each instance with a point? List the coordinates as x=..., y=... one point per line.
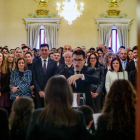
x=4, y=129
x=80, y=77
x=131, y=65
x=43, y=69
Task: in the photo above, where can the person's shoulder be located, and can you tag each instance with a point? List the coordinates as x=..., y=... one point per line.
x=103, y=118
x=27, y=71
x=130, y=63
x=3, y=113
x=37, y=112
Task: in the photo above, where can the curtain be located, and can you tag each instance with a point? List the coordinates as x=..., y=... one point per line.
x=51, y=34
x=33, y=33
x=104, y=33
x=122, y=30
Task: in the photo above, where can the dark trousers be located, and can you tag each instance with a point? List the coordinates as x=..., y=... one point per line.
x=39, y=101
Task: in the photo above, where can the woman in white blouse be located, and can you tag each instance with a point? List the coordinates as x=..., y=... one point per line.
x=116, y=72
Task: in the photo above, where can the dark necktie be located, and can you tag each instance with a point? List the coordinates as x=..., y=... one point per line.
x=77, y=72
x=44, y=67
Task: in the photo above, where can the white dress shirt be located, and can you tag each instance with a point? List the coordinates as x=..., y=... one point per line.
x=44, y=62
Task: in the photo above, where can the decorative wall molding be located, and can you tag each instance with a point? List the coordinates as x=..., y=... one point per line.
x=113, y=21
x=42, y=20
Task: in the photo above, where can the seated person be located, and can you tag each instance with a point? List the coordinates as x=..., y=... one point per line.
x=88, y=115
x=117, y=121
x=58, y=120
x=20, y=117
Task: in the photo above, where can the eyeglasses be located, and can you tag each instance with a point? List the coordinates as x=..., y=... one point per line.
x=78, y=60
x=93, y=58
x=44, y=50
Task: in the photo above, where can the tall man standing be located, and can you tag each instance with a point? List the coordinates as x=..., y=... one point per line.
x=43, y=69
x=80, y=77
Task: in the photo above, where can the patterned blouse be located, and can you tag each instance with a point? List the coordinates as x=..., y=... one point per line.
x=22, y=81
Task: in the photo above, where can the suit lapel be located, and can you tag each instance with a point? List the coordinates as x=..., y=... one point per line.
x=48, y=67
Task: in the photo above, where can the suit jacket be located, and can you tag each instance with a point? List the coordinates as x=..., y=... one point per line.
x=132, y=78
x=39, y=78
x=62, y=61
x=130, y=66
x=46, y=131
x=83, y=86
x=4, y=128
x=103, y=132
x=60, y=68
x=5, y=82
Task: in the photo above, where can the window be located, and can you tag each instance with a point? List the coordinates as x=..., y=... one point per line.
x=114, y=40
x=41, y=38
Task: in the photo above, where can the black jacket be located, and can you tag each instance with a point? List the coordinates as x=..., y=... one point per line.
x=83, y=86
x=130, y=66
x=45, y=131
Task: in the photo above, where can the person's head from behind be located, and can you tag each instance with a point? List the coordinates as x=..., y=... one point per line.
x=21, y=64
x=44, y=50
x=135, y=52
x=58, y=101
x=123, y=54
x=20, y=115
x=88, y=115
x=116, y=65
x=120, y=104
x=79, y=58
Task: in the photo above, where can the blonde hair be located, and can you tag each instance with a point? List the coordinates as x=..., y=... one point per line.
x=13, y=63
x=3, y=65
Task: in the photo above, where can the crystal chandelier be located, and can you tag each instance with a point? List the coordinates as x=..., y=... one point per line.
x=69, y=10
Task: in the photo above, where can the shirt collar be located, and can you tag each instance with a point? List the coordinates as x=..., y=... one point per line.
x=135, y=59
x=44, y=59
x=124, y=61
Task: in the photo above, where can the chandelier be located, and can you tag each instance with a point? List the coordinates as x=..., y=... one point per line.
x=69, y=10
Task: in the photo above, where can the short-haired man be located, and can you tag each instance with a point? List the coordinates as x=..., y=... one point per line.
x=123, y=58
x=12, y=51
x=22, y=45
x=51, y=55
x=53, y=49
x=43, y=69
x=132, y=64
x=19, y=53
x=101, y=46
x=25, y=49
x=66, y=49
x=5, y=51
x=80, y=77
x=56, y=57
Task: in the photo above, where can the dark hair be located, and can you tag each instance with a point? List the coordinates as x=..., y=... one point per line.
x=4, y=48
x=35, y=49
x=44, y=45
x=120, y=106
x=0, y=47
x=50, y=53
x=128, y=53
x=29, y=53
x=20, y=117
x=100, y=50
x=118, y=59
x=109, y=48
x=78, y=47
x=87, y=111
x=135, y=48
x=21, y=58
x=25, y=47
x=89, y=64
x=56, y=52
x=122, y=47
x=92, y=49
x=12, y=49
x=17, y=48
x=58, y=101
x=79, y=52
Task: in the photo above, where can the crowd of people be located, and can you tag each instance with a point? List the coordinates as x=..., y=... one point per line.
x=46, y=79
